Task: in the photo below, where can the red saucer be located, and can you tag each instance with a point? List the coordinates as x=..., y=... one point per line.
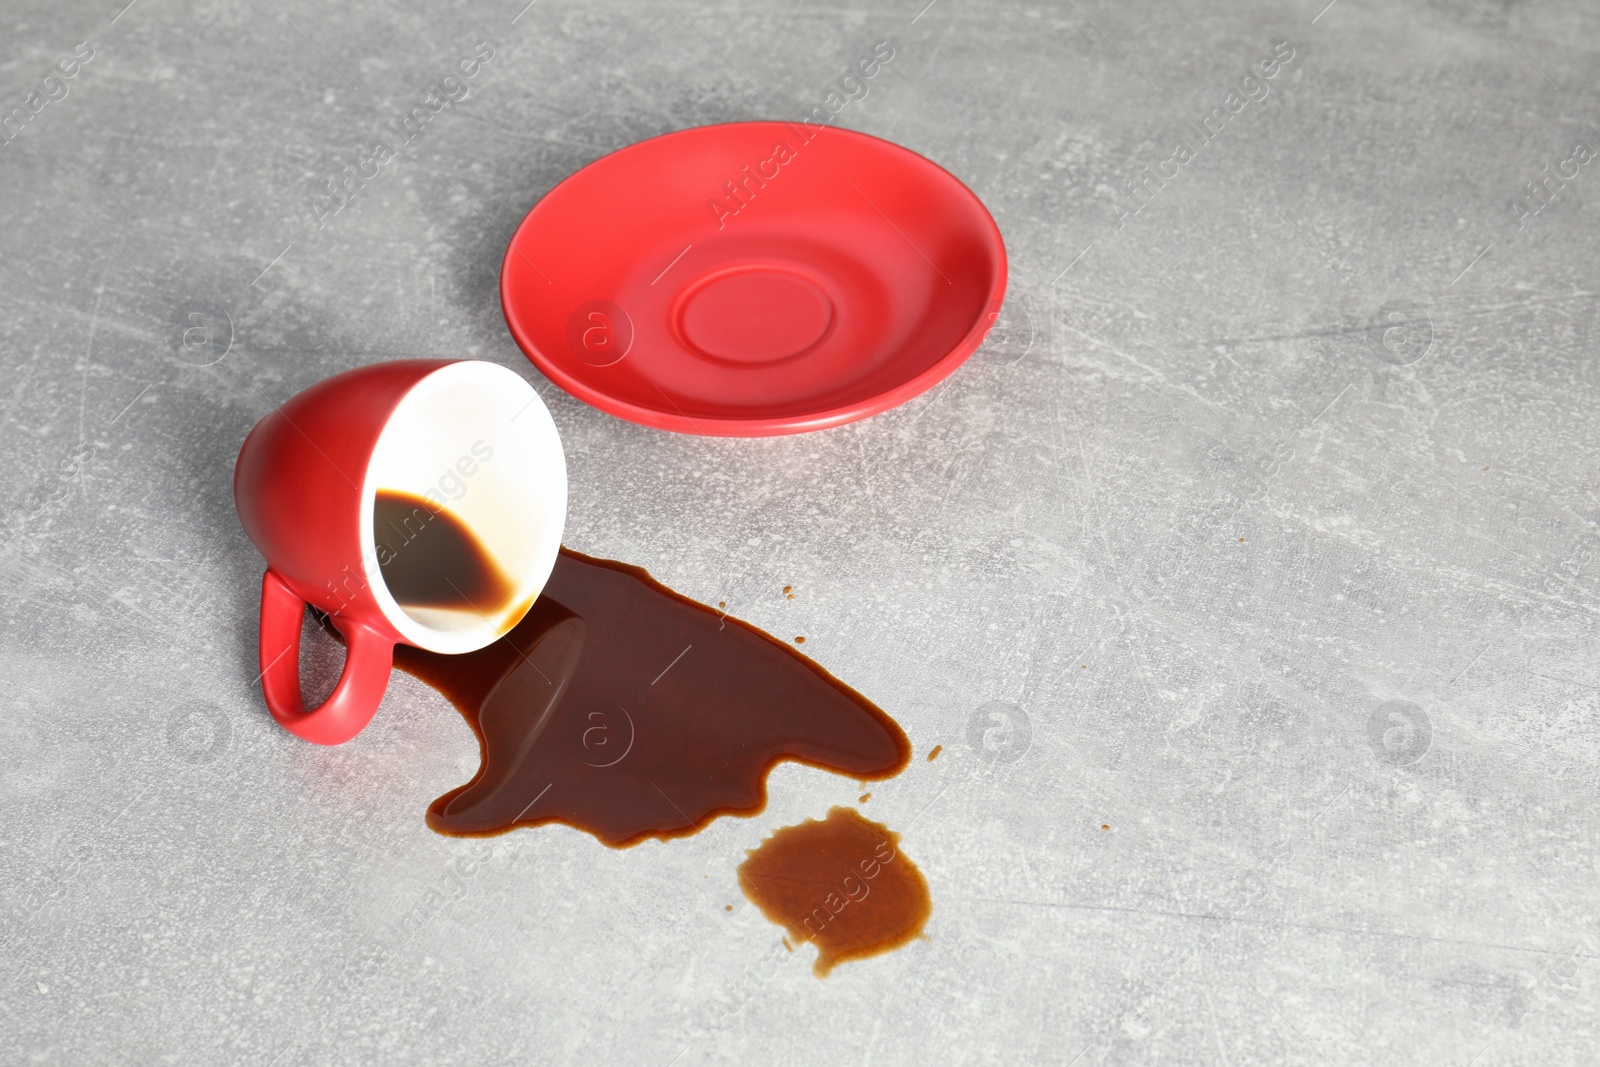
x=754, y=278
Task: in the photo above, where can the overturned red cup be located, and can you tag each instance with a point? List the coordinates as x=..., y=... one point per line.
x=365, y=493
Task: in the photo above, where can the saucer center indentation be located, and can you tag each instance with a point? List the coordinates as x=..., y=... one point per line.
x=757, y=315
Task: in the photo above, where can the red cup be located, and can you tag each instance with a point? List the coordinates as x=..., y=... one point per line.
x=464, y=436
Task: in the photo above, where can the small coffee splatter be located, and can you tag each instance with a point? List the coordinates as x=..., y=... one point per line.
x=864, y=798
x=841, y=883
x=1104, y=826
x=933, y=754
x=799, y=640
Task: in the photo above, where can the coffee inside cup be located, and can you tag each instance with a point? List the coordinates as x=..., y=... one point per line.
x=431, y=561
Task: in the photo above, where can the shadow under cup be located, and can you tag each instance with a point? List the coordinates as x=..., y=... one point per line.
x=464, y=503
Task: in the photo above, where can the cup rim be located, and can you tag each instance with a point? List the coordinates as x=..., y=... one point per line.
x=532, y=415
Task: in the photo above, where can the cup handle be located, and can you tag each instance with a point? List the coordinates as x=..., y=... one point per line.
x=369, y=657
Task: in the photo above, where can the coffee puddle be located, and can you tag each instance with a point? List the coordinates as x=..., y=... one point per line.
x=841, y=883
x=625, y=710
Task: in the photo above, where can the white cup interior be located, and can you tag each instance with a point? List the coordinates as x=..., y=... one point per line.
x=474, y=439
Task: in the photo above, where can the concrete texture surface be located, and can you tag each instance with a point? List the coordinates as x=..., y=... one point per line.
x=1263, y=531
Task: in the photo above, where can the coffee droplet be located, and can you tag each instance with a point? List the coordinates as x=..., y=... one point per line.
x=841, y=883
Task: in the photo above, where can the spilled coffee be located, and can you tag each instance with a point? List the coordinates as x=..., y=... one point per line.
x=625, y=710
x=841, y=883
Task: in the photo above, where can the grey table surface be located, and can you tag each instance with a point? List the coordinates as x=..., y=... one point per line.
x=1263, y=530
